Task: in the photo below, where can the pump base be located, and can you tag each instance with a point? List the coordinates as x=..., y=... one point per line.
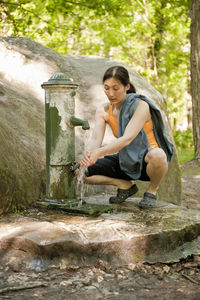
x=75, y=207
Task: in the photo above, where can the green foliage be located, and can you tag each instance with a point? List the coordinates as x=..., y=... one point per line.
x=185, y=156
x=15, y=210
x=183, y=139
x=150, y=36
x=184, y=144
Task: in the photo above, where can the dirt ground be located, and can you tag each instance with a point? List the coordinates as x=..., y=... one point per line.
x=133, y=281
x=191, y=185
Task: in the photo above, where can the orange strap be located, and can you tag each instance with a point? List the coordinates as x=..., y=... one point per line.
x=148, y=128
x=112, y=121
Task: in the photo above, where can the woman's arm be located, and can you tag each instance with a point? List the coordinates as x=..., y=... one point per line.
x=98, y=130
x=136, y=123
x=96, y=139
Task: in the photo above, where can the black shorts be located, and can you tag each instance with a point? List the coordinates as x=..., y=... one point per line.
x=109, y=166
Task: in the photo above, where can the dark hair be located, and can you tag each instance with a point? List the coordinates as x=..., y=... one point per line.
x=121, y=74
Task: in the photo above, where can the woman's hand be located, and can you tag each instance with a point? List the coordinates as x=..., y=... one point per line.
x=85, y=162
x=90, y=157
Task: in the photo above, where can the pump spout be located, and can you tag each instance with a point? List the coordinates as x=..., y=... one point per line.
x=79, y=122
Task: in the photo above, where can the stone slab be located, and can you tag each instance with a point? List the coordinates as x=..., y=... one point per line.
x=129, y=234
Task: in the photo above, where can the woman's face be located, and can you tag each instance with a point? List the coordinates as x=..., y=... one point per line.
x=115, y=90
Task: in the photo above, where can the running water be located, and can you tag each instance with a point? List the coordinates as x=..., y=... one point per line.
x=81, y=185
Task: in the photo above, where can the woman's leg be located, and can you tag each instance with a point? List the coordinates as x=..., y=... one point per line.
x=156, y=169
x=125, y=189
x=100, y=179
x=107, y=171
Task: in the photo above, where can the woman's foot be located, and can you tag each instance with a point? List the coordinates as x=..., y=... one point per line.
x=123, y=194
x=148, y=201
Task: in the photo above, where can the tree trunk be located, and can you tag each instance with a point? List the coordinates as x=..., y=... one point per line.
x=195, y=73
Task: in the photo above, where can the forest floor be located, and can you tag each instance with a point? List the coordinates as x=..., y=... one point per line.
x=101, y=281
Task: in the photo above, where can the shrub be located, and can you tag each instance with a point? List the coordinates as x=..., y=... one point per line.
x=183, y=139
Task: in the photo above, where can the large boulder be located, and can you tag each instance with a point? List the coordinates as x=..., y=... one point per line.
x=24, y=66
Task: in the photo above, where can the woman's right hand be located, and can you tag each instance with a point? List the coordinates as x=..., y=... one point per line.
x=97, y=137
x=85, y=162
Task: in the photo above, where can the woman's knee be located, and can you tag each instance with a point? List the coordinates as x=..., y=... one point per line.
x=157, y=157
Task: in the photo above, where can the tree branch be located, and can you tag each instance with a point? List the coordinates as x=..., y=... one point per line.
x=23, y=287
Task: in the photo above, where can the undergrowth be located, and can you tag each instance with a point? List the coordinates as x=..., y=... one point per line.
x=184, y=144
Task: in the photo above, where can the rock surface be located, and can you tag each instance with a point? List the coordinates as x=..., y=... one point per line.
x=101, y=280
x=24, y=66
x=128, y=235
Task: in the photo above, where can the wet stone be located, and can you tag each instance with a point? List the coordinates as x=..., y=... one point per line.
x=128, y=235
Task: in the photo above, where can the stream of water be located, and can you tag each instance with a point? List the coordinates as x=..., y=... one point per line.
x=80, y=184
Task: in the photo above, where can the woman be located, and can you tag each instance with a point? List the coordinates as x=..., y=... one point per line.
x=142, y=149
